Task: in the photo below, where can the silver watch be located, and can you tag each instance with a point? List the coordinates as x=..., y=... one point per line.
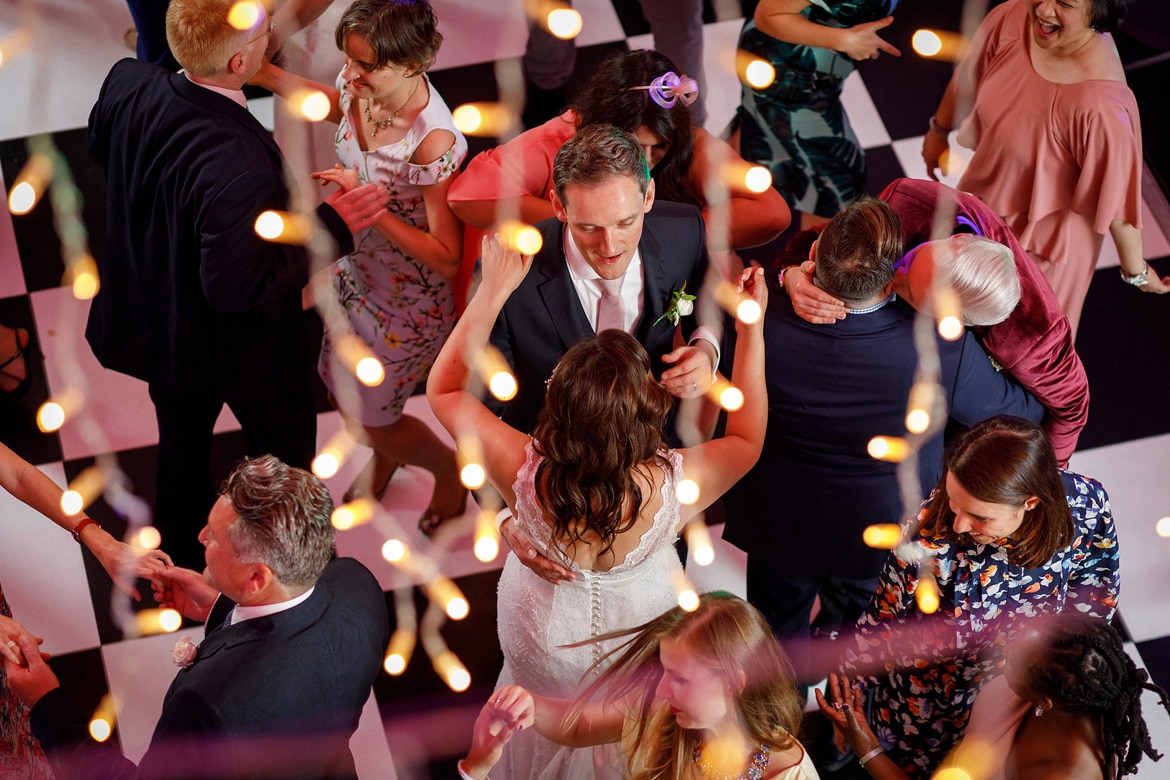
x=1137, y=280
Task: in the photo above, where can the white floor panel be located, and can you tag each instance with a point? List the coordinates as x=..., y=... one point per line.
x=43, y=576
x=1134, y=474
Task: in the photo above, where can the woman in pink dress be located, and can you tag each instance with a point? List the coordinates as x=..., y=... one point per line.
x=1043, y=103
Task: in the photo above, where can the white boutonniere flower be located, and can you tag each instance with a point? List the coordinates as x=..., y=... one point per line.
x=184, y=653
x=681, y=305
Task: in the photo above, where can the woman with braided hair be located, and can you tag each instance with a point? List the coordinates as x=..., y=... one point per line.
x=1068, y=706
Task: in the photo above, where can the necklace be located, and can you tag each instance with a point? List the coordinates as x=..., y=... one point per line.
x=754, y=771
x=383, y=123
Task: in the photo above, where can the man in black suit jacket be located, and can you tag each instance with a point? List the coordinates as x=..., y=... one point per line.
x=801, y=511
x=607, y=223
x=192, y=301
x=275, y=691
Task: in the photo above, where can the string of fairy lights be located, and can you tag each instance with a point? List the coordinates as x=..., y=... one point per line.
x=46, y=176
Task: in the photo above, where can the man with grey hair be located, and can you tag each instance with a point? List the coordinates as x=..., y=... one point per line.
x=294, y=640
x=800, y=513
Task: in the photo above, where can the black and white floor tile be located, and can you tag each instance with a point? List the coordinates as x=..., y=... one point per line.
x=49, y=78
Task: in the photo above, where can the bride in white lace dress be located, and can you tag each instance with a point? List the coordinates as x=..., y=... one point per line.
x=594, y=490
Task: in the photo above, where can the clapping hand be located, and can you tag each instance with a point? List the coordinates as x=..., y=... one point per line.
x=847, y=714
x=510, y=709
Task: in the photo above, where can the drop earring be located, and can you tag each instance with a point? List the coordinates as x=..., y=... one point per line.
x=1038, y=711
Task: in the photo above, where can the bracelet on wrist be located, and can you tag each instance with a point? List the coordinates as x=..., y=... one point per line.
x=463, y=772
x=503, y=516
x=77, y=529
x=871, y=755
x=937, y=128
x=1140, y=279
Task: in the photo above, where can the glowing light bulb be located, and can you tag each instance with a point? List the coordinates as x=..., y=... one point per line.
x=731, y=398
x=950, y=327
x=326, y=464
x=917, y=420
x=395, y=550
x=926, y=43
x=888, y=448
x=22, y=199
x=472, y=476
x=399, y=651
x=687, y=491
x=564, y=23
x=699, y=543
x=757, y=179
x=921, y=405
x=312, y=104
x=447, y=595
x=83, y=491
x=269, y=225
x=882, y=536
x=158, y=621
x=952, y=773
x=482, y=119
x=50, y=417
x=282, y=227
x=688, y=599
x=451, y=669
x=487, y=542
x=926, y=595
x=356, y=512
x=1162, y=527
x=522, y=237
x=503, y=385
x=370, y=372
x=748, y=311
x=82, y=275
x=101, y=724
x=146, y=538
x=760, y=74
x=245, y=14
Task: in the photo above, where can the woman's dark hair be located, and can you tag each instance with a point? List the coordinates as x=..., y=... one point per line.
x=1006, y=460
x=1087, y=670
x=401, y=32
x=602, y=421
x=609, y=99
x=1107, y=15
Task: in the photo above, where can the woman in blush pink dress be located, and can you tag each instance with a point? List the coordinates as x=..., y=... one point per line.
x=1043, y=102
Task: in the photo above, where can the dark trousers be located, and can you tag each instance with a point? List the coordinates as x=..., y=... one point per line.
x=787, y=603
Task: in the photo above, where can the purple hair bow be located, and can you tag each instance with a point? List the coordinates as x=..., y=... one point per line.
x=669, y=88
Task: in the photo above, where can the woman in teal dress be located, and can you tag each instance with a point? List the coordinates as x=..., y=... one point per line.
x=797, y=125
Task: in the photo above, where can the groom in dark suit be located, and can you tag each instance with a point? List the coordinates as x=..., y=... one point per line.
x=192, y=301
x=612, y=258
x=294, y=641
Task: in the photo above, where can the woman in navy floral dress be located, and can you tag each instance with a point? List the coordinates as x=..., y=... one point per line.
x=797, y=125
x=1006, y=535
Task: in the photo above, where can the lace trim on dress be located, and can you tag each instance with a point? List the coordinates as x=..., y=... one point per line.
x=530, y=519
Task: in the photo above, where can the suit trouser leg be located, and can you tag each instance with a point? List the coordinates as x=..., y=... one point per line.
x=184, y=489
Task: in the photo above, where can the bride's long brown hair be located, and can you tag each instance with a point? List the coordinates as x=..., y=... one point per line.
x=600, y=427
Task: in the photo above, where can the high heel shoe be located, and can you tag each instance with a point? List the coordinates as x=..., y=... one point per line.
x=361, y=487
x=431, y=519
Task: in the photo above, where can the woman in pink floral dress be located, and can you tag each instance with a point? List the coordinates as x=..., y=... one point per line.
x=394, y=289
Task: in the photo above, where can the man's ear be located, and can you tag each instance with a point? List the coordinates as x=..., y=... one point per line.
x=558, y=207
x=649, y=204
x=259, y=579
x=812, y=251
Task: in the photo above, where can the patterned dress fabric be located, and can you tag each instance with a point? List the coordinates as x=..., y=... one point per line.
x=21, y=757
x=925, y=671
x=797, y=126
x=397, y=304
x=537, y=618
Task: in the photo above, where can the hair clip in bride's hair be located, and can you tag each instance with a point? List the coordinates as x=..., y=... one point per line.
x=669, y=88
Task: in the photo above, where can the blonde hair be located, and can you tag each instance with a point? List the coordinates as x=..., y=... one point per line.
x=983, y=275
x=200, y=37
x=726, y=633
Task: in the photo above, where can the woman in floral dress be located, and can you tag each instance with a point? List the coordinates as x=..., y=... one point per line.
x=797, y=126
x=1006, y=535
x=394, y=289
